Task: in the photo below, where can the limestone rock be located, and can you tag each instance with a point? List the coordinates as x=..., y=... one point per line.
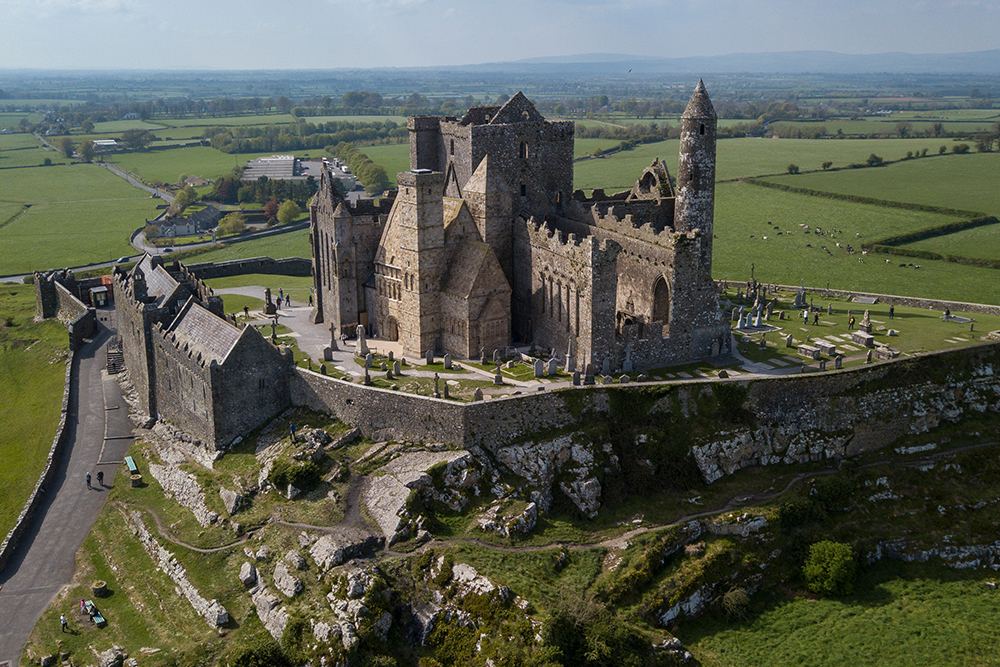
x=248, y=574
x=285, y=582
x=335, y=548
x=509, y=524
x=273, y=618
x=230, y=500
x=263, y=553
x=585, y=494
x=324, y=632
x=184, y=488
x=296, y=560
x=382, y=626
x=113, y=657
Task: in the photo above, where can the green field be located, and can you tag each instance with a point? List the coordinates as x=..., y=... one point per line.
x=394, y=157
x=966, y=182
x=10, y=142
x=167, y=165
x=900, y=615
x=29, y=157
x=117, y=126
x=32, y=371
x=980, y=243
x=292, y=244
x=79, y=214
x=742, y=210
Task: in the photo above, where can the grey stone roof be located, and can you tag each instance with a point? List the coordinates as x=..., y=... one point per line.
x=700, y=105
x=159, y=283
x=204, y=332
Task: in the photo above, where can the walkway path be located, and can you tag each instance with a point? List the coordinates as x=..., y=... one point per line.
x=99, y=434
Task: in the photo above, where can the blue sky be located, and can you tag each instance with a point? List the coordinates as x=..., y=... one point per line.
x=320, y=34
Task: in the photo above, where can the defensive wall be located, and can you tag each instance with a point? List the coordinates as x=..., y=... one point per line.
x=744, y=421
x=290, y=266
x=54, y=299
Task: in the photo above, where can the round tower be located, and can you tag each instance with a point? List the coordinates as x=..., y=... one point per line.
x=695, y=204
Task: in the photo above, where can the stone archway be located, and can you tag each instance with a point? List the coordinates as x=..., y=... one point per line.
x=661, y=301
x=391, y=329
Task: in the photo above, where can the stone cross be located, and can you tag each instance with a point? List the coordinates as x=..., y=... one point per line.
x=362, y=348
x=437, y=392
x=333, y=337
x=627, y=366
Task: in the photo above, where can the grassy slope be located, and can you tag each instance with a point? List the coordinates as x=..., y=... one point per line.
x=31, y=389
x=80, y=214
x=956, y=181
x=394, y=157
x=981, y=242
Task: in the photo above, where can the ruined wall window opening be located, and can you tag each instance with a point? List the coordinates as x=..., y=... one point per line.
x=452, y=146
x=524, y=190
x=559, y=309
x=701, y=130
x=523, y=150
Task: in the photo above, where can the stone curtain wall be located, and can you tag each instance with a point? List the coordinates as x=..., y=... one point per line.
x=290, y=266
x=788, y=419
x=80, y=320
x=58, y=442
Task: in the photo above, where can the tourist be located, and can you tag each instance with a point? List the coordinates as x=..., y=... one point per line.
x=62, y=621
x=100, y=477
x=246, y=312
x=850, y=323
x=892, y=312
x=88, y=480
x=815, y=319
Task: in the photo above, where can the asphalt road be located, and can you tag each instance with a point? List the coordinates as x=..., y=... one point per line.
x=99, y=435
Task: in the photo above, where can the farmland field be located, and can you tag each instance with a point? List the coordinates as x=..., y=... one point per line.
x=394, y=157
x=980, y=242
x=29, y=157
x=167, y=165
x=10, y=142
x=79, y=214
x=743, y=210
x=292, y=244
x=964, y=182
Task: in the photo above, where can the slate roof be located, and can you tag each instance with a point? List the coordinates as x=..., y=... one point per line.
x=204, y=332
x=466, y=264
x=159, y=283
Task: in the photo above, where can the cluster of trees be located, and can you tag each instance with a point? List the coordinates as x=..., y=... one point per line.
x=230, y=189
x=370, y=174
x=302, y=136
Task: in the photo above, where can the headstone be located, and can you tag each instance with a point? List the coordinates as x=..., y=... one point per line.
x=551, y=368
x=395, y=367
x=576, y=378
x=627, y=365
x=477, y=395
x=384, y=366
x=608, y=379
x=498, y=379
x=763, y=342
x=588, y=380
x=723, y=375
x=606, y=366
x=770, y=308
x=736, y=314
x=368, y=379
x=642, y=378
x=362, y=348
x=496, y=355
x=972, y=326
x=756, y=320
x=390, y=355
x=447, y=362
x=429, y=356
x=822, y=364
x=437, y=391
x=539, y=368
x=623, y=379
x=829, y=309
x=509, y=365
x=327, y=354
x=446, y=395
x=322, y=369
x=838, y=363
x=368, y=360
x=868, y=358
x=788, y=340
x=388, y=375
x=715, y=348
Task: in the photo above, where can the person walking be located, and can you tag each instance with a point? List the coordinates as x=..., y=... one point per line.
x=88, y=481
x=100, y=477
x=310, y=299
x=850, y=324
x=246, y=312
x=62, y=621
x=892, y=312
x=288, y=300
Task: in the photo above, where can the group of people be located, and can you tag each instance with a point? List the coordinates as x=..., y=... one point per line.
x=100, y=479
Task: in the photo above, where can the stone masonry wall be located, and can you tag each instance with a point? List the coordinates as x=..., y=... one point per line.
x=289, y=266
x=80, y=320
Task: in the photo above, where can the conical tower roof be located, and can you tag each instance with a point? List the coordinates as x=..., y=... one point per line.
x=700, y=105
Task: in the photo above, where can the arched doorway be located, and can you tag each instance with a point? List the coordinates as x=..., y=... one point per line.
x=661, y=301
x=391, y=330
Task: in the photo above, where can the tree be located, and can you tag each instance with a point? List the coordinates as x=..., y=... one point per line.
x=827, y=165
x=904, y=128
x=284, y=104
x=829, y=568
x=942, y=150
x=86, y=150
x=874, y=160
x=137, y=140
x=960, y=149
x=288, y=212
x=793, y=169
x=66, y=147
x=271, y=209
x=87, y=126
x=234, y=223
x=47, y=162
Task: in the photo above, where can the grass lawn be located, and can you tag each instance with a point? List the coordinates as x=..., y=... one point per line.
x=965, y=182
x=900, y=614
x=14, y=141
x=29, y=157
x=32, y=372
x=167, y=165
x=743, y=210
x=292, y=244
x=394, y=157
x=79, y=214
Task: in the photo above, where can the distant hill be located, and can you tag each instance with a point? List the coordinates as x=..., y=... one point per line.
x=791, y=62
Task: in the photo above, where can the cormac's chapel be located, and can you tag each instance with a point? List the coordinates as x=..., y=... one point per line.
x=486, y=244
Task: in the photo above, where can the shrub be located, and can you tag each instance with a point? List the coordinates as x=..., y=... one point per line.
x=829, y=568
x=258, y=652
x=234, y=223
x=735, y=603
x=874, y=160
x=301, y=475
x=960, y=149
x=793, y=169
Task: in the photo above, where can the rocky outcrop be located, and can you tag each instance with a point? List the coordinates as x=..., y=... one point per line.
x=387, y=491
x=213, y=612
x=271, y=615
x=509, y=523
x=248, y=574
x=341, y=545
x=184, y=488
x=289, y=585
x=974, y=556
x=113, y=657
x=296, y=560
x=743, y=525
x=573, y=462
